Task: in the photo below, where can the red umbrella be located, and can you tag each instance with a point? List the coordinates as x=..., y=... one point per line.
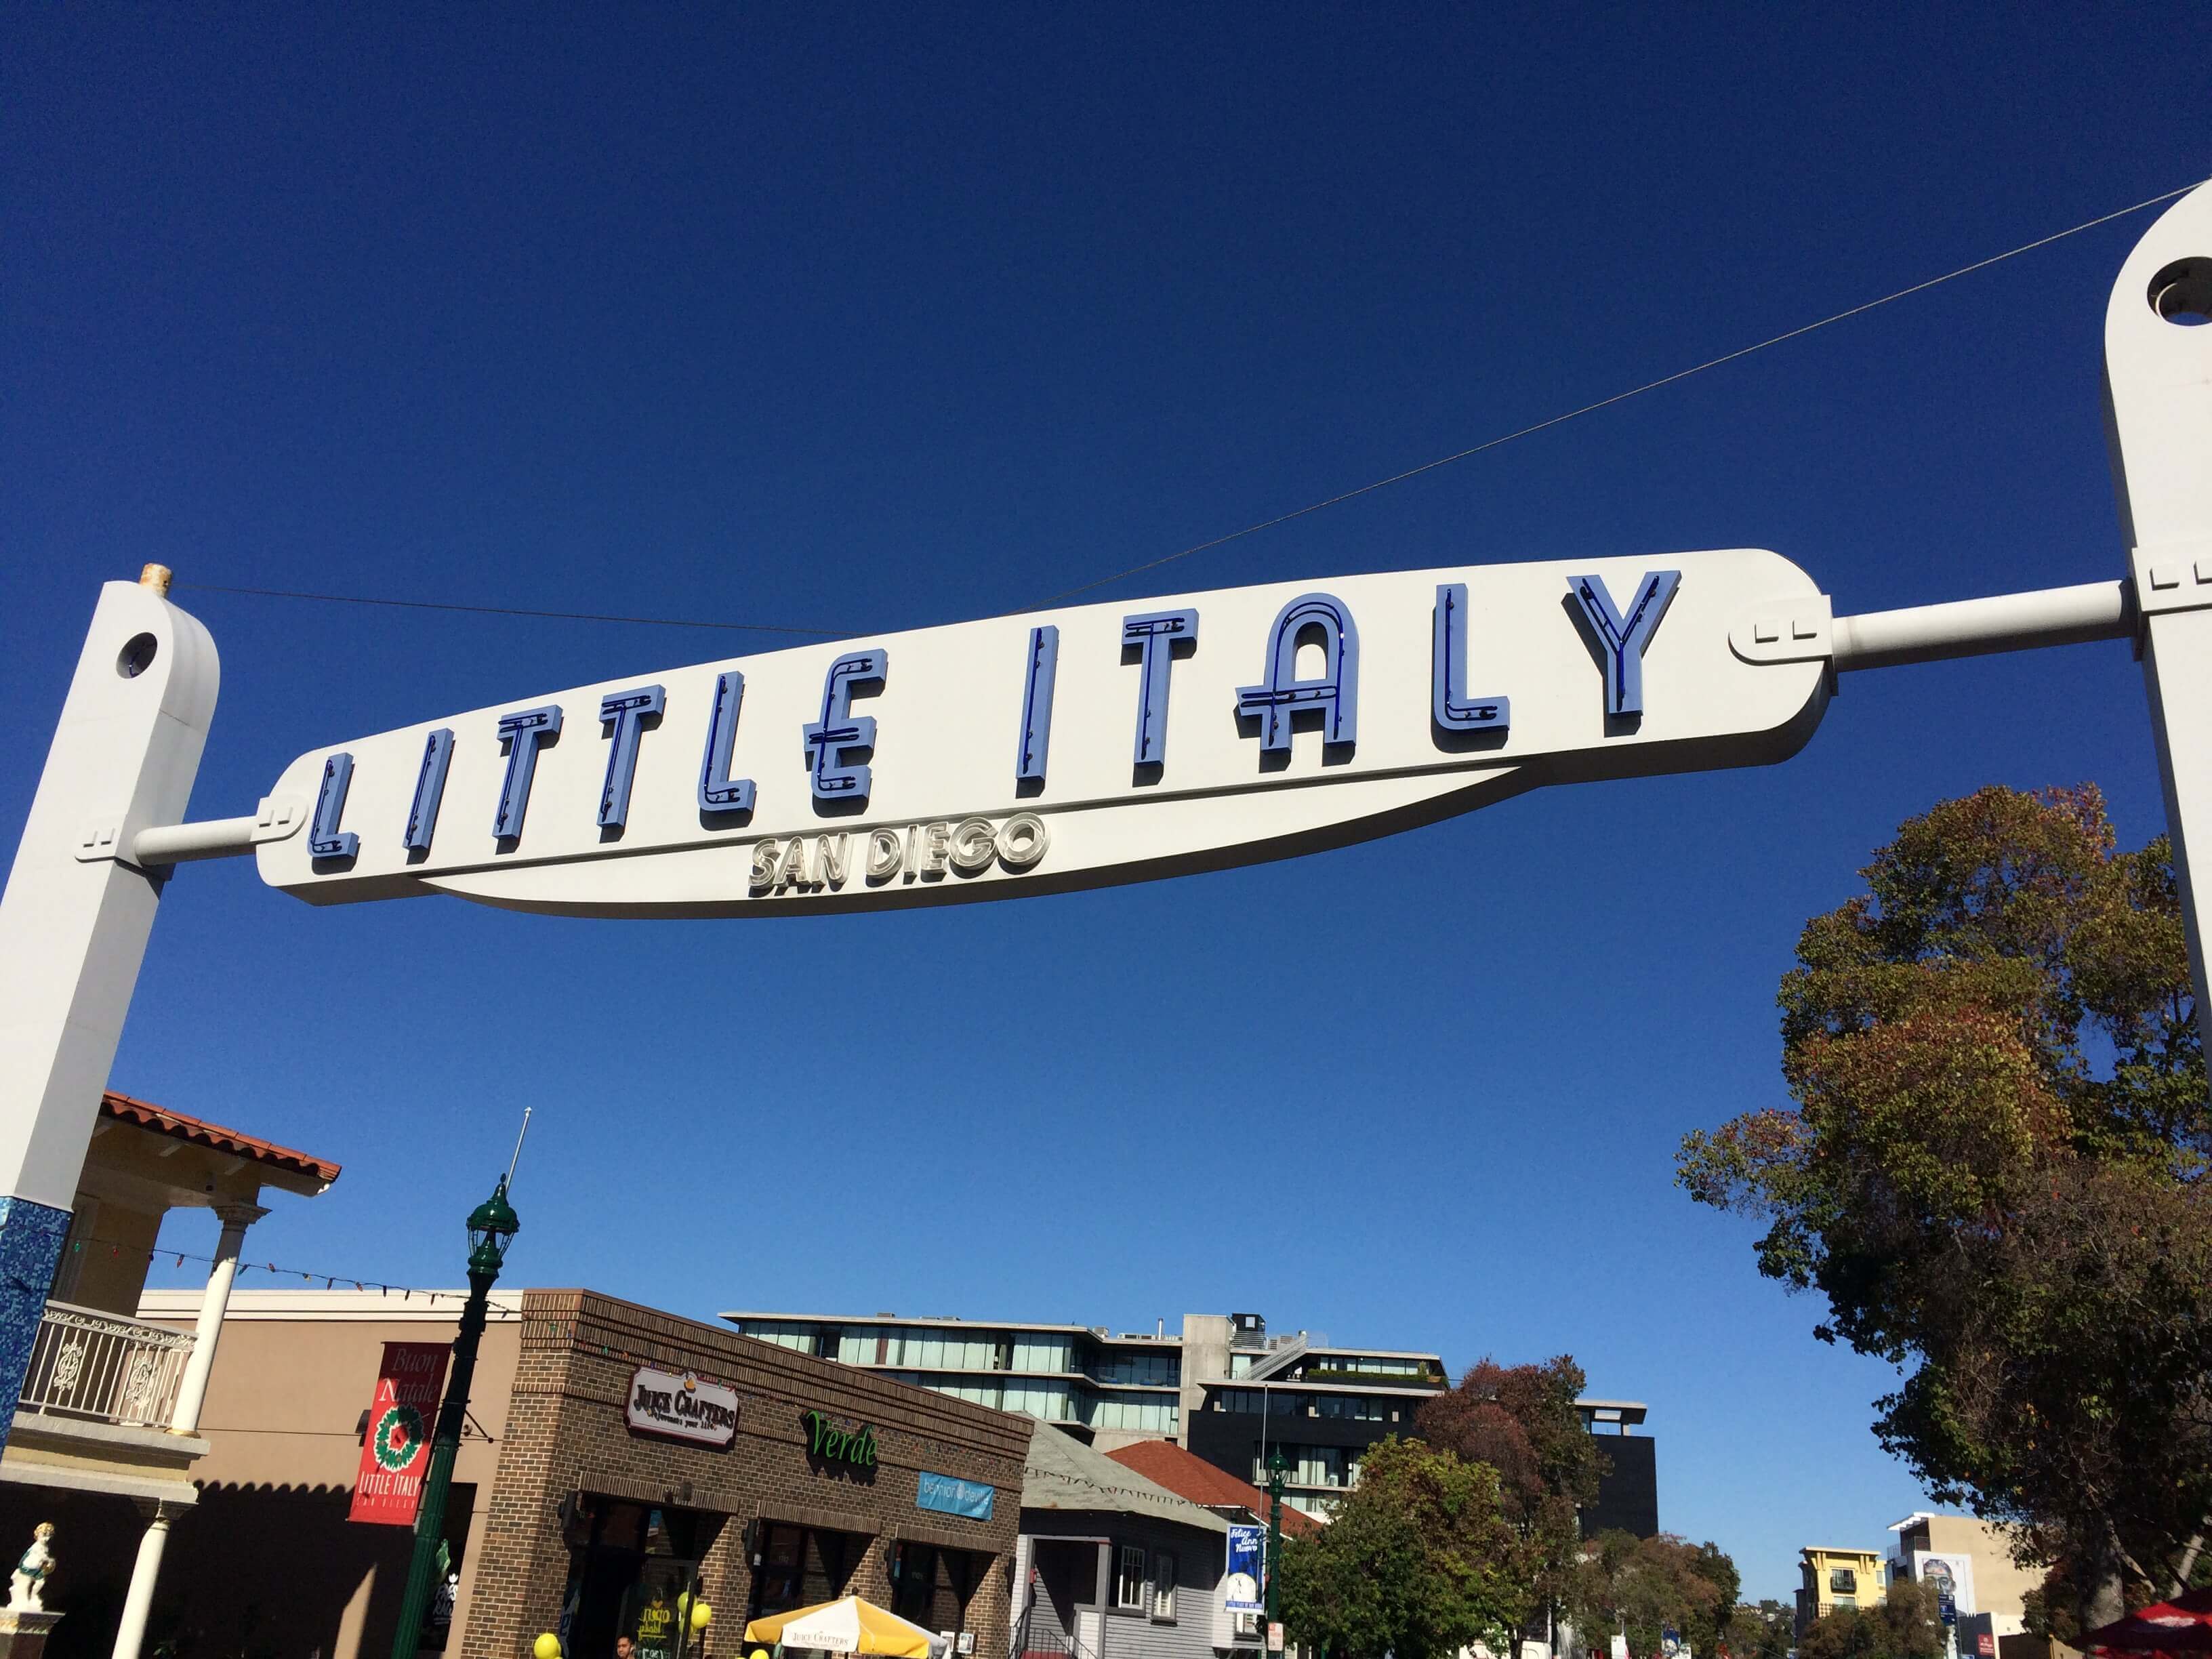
x=2181, y=1626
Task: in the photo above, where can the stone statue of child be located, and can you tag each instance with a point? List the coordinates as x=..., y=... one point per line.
x=27, y=1585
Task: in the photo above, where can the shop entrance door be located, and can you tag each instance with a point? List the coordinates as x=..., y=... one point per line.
x=633, y=1570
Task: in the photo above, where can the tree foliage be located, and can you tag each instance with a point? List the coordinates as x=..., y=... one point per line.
x=1995, y=1172
x=1639, y=1586
x=1522, y=1421
x=1419, y=1562
x=1906, y=1626
x=1764, y=1629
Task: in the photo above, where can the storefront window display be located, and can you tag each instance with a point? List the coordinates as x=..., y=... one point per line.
x=802, y=1566
x=438, y=1618
x=931, y=1587
x=633, y=1569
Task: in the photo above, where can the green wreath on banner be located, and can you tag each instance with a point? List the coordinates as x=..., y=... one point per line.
x=398, y=1437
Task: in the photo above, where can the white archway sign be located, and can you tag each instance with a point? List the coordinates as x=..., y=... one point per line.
x=1033, y=754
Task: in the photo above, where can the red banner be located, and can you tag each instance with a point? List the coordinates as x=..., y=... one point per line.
x=395, y=1454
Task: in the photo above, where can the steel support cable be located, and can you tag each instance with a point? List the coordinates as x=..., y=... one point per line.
x=1254, y=529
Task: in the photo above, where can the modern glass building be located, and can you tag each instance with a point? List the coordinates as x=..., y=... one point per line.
x=1220, y=1386
x=1320, y=1405
x=1073, y=1376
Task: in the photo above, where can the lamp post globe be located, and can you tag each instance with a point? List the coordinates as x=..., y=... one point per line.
x=492, y=1226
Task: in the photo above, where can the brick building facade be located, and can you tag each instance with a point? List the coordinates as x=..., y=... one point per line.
x=565, y=1435
x=560, y=1511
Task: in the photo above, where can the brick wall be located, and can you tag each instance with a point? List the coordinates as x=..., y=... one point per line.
x=566, y=1432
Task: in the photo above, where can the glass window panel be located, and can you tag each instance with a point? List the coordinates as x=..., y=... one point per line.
x=1129, y=1581
x=1040, y=1353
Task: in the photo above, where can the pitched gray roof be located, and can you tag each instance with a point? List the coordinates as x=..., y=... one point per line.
x=1063, y=1473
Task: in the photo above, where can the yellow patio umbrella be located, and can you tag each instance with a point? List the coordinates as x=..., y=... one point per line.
x=851, y=1626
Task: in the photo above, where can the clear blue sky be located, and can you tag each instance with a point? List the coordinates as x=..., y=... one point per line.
x=835, y=318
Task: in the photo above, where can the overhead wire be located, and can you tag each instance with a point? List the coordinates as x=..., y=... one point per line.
x=1680, y=374
x=511, y=611
x=1254, y=529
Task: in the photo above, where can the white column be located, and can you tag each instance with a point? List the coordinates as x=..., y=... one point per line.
x=2158, y=393
x=191, y=1392
x=131, y=1634
x=75, y=917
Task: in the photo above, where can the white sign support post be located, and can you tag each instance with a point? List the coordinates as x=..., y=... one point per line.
x=74, y=919
x=1027, y=755
x=2158, y=406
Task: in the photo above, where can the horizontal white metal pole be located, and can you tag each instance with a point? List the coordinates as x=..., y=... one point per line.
x=1970, y=628
x=175, y=843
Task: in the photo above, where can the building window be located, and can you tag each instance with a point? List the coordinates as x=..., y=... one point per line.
x=1318, y=1466
x=1129, y=1583
x=1163, y=1587
x=1359, y=1408
x=1257, y=1402
x=1842, y=1581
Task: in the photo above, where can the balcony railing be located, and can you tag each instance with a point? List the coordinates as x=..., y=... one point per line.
x=97, y=1365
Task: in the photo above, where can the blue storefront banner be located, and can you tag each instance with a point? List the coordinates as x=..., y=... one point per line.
x=1242, y=1583
x=949, y=1495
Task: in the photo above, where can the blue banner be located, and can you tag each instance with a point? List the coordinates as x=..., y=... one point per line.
x=1247, y=1571
x=949, y=1495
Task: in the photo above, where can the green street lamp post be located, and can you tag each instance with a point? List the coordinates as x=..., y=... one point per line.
x=1275, y=1467
x=492, y=1227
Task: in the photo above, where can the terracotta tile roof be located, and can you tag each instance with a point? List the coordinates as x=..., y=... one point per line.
x=163, y=1121
x=1188, y=1475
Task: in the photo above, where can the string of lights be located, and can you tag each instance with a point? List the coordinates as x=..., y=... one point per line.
x=567, y=1330
x=557, y=1329
x=331, y=1281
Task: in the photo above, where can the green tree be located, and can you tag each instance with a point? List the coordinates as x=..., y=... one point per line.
x=1906, y=1626
x=1760, y=1631
x=1997, y=1173
x=1716, y=1567
x=1418, y=1562
x=1522, y=1421
x=1640, y=1586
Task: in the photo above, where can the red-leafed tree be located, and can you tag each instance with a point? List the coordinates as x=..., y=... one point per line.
x=1522, y=1422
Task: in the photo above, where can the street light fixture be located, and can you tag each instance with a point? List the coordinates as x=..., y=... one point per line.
x=492, y=1226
